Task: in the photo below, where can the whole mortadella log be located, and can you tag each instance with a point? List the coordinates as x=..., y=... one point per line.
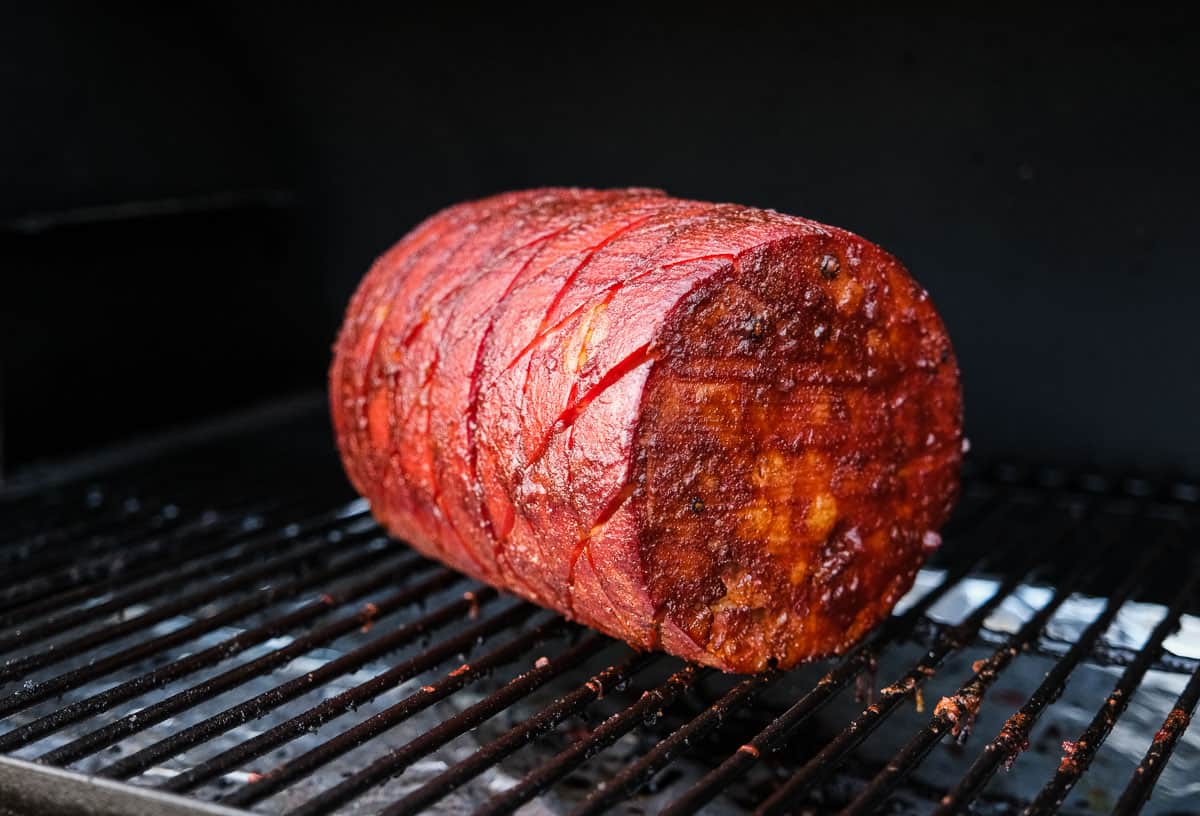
x=719, y=431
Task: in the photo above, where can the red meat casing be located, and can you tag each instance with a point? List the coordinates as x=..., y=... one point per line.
x=724, y=432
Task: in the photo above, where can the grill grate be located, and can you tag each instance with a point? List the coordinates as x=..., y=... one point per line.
x=225, y=624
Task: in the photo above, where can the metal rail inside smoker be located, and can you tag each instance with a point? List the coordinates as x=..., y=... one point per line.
x=154, y=592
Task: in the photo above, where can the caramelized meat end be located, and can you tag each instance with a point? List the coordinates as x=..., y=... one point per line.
x=799, y=444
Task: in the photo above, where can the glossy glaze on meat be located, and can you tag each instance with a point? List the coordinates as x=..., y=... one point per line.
x=724, y=432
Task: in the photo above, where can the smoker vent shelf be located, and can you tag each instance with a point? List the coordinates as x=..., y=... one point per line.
x=219, y=626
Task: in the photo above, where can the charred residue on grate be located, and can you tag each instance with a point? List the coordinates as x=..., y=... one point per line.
x=255, y=640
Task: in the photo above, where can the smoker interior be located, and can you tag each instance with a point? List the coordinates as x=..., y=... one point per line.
x=212, y=623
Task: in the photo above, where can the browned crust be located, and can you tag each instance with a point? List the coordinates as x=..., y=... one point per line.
x=798, y=447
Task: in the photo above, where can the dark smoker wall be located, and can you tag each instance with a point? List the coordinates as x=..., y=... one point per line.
x=187, y=200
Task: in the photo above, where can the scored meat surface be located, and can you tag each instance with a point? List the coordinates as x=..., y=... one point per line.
x=728, y=433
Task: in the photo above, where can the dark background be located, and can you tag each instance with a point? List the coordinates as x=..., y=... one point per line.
x=188, y=199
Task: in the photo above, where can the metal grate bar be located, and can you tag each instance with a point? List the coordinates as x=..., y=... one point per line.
x=956, y=713
x=33, y=578
x=167, y=605
x=1078, y=758
x=87, y=578
x=1006, y=746
x=35, y=552
x=36, y=597
x=838, y=749
x=56, y=624
x=397, y=760
x=627, y=782
x=190, y=697
x=32, y=693
x=517, y=737
x=1145, y=776
x=155, y=535
x=95, y=740
x=350, y=699
x=281, y=776
x=93, y=522
x=182, y=603
x=1110, y=654
x=269, y=700
x=648, y=707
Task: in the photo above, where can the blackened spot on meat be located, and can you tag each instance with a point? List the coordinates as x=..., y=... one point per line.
x=830, y=266
x=697, y=505
x=758, y=328
x=945, y=354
